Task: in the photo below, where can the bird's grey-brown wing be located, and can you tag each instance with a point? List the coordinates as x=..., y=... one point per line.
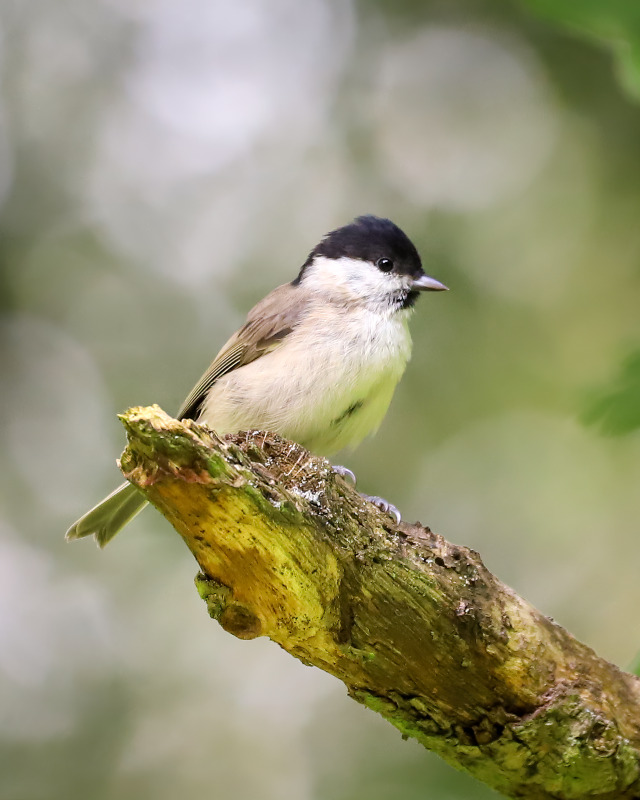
x=267, y=326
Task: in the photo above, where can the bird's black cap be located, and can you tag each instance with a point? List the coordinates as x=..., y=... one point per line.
x=369, y=238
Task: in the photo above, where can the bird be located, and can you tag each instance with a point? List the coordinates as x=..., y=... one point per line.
x=317, y=360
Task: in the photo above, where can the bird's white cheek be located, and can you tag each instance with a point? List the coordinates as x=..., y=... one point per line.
x=352, y=277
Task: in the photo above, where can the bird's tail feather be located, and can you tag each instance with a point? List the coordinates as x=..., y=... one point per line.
x=113, y=513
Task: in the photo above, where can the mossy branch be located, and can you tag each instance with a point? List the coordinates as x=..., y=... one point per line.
x=417, y=628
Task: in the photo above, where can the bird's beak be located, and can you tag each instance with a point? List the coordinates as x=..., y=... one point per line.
x=426, y=284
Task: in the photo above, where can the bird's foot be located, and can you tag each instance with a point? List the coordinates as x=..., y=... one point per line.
x=380, y=502
x=383, y=505
x=345, y=472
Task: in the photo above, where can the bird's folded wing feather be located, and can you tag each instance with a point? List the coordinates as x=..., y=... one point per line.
x=267, y=326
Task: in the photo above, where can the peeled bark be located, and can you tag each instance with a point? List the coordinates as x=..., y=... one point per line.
x=417, y=628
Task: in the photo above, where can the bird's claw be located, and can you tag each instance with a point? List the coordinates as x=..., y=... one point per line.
x=345, y=472
x=384, y=505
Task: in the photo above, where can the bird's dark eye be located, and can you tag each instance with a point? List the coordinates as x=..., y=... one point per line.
x=384, y=264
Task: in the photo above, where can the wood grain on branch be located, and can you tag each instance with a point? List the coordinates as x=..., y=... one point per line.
x=417, y=628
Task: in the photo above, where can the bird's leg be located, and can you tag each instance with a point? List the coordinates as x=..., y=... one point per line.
x=380, y=502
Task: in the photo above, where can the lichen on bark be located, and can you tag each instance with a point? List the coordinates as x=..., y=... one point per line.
x=416, y=627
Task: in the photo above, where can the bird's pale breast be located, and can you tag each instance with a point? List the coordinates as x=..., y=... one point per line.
x=327, y=387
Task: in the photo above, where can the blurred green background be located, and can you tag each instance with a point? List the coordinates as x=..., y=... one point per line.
x=162, y=166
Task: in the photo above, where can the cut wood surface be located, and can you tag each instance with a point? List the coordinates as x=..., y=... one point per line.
x=417, y=628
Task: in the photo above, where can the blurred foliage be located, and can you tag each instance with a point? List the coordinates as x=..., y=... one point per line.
x=615, y=408
x=615, y=22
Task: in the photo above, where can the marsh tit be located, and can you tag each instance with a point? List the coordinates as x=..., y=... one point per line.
x=316, y=361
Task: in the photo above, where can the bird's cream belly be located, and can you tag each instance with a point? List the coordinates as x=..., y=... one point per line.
x=324, y=395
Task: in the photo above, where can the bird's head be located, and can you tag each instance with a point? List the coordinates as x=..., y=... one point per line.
x=370, y=262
